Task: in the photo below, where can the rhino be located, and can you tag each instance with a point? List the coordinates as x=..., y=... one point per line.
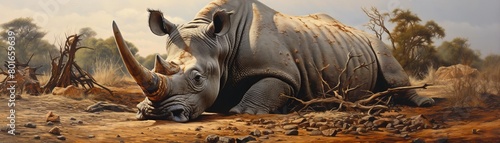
x=239, y=56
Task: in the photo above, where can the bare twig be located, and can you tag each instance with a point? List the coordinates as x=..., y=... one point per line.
x=390, y=90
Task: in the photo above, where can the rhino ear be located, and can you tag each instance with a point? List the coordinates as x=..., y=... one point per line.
x=220, y=23
x=159, y=25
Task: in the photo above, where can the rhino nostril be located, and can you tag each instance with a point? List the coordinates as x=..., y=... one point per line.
x=177, y=112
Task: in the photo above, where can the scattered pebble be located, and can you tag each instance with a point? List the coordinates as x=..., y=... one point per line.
x=61, y=137
x=30, y=125
x=198, y=128
x=198, y=135
x=36, y=137
x=315, y=133
x=238, y=120
x=418, y=140
x=290, y=127
x=226, y=140
x=91, y=136
x=118, y=136
x=476, y=131
x=264, y=137
x=49, y=123
x=55, y=131
x=80, y=122
x=52, y=117
x=256, y=133
x=245, y=139
x=212, y=138
x=329, y=133
x=72, y=119
x=292, y=132
x=267, y=132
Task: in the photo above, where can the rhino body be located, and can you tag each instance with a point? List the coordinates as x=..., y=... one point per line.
x=239, y=56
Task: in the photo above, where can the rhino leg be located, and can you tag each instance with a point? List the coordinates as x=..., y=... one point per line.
x=391, y=74
x=263, y=97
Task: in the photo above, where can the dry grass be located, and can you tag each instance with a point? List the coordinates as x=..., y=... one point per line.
x=108, y=73
x=464, y=92
x=430, y=78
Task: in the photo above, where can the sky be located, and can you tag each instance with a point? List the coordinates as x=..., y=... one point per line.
x=478, y=21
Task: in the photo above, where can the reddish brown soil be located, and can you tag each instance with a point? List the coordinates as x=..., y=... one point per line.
x=107, y=125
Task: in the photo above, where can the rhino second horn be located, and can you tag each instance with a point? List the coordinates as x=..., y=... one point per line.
x=148, y=81
x=162, y=67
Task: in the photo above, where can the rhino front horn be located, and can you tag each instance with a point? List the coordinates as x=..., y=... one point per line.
x=150, y=82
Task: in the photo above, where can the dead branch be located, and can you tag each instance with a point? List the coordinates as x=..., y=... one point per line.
x=66, y=71
x=360, y=104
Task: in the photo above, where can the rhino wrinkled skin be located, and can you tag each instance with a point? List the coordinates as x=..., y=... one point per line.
x=238, y=56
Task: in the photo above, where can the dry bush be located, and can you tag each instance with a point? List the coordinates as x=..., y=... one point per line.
x=465, y=91
x=429, y=78
x=490, y=77
x=108, y=73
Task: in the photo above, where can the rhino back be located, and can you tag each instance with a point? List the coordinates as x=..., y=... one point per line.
x=307, y=50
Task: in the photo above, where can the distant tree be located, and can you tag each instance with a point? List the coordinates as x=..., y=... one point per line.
x=458, y=51
x=87, y=32
x=101, y=50
x=491, y=61
x=28, y=39
x=412, y=41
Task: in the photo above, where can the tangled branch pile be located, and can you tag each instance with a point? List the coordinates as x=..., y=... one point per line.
x=376, y=102
x=67, y=72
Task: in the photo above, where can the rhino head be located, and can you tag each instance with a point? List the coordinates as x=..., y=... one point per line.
x=184, y=85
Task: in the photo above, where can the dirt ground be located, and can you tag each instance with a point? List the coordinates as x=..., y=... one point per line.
x=109, y=126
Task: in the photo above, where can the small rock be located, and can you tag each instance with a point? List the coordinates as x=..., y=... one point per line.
x=256, y=133
x=118, y=136
x=392, y=130
x=345, y=126
x=442, y=140
x=226, y=140
x=311, y=128
x=52, y=117
x=267, y=132
x=292, y=132
x=315, y=133
x=379, y=123
x=264, y=137
x=219, y=128
x=418, y=140
x=49, y=123
x=290, y=127
x=389, y=125
x=353, y=132
x=329, y=133
x=324, y=128
x=30, y=125
x=245, y=139
x=212, y=138
x=36, y=137
x=476, y=131
x=80, y=122
x=368, y=118
x=91, y=136
x=55, y=131
x=319, y=119
x=198, y=128
x=61, y=137
x=298, y=121
x=72, y=119
x=361, y=130
x=238, y=120
x=198, y=135
x=269, y=126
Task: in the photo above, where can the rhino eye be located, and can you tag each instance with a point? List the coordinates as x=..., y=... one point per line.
x=197, y=78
